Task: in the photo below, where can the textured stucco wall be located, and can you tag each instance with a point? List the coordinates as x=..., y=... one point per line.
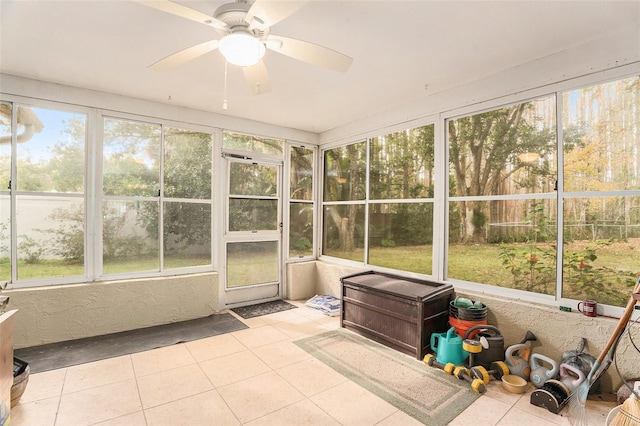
x=301, y=280
x=60, y=313
x=328, y=279
x=559, y=331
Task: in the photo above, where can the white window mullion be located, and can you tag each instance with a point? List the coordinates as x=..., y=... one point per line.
x=440, y=204
x=367, y=197
x=92, y=202
x=160, y=203
x=559, y=196
x=98, y=198
x=13, y=246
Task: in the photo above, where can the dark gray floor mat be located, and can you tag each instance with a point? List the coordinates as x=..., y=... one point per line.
x=263, y=309
x=64, y=354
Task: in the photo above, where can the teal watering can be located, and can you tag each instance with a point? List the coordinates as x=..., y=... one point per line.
x=448, y=347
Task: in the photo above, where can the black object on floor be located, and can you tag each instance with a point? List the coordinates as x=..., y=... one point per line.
x=263, y=309
x=73, y=352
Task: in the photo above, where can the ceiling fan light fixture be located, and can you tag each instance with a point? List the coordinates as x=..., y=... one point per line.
x=242, y=49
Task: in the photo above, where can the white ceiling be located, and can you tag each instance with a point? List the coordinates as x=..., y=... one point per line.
x=403, y=51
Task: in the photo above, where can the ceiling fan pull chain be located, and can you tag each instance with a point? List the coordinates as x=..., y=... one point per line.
x=224, y=101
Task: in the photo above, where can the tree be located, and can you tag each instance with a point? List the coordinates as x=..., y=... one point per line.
x=345, y=181
x=484, y=155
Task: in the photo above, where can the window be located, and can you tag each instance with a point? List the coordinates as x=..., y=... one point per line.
x=344, y=196
x=47, y=148
x=258, y=145
x=601, y=199
x=301, y=205
x=6, y=113
x=149, y=226
x=401, y=184
x=502, y=208
x=131, y=187
x=503, y=203
x=395, y=216
x=186, y=198
x=253, y=197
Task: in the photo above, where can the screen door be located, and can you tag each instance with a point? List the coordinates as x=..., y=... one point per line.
x=253, y=234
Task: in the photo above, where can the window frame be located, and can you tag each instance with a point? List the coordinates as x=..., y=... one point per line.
x=288, y=201
x=12, y=192
x=161, y=199
x=557, y=90
x=367, y=201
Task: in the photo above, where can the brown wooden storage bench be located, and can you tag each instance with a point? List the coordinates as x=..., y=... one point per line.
x=398, y=312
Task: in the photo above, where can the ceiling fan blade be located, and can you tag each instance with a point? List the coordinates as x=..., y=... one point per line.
x=185, y=55
x=183, y=12
x=269, y=13
x=310, y=53
x=257, y=78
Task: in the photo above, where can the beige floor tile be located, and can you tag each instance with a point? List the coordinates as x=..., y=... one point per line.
x=399, y=418
x=233, y=368
x=496, y=391
x=98, y=404
x=43, y=386
x=301, y=413
x=262, y=378
x=484, y=410
x=252, y=322
x=255, y=397
x=597, y=408
x=300, y=330
x=214, y=347
x=323, y=318
x=133, y=419
x=37, y=413
x=312, y=313
x=99, y=373
x=260, y=336
x=329, y=325
x=311, y=376
x=206, y=408
x=171, y=385
x=557, y=419
x=596, y=411
x=350, y=404
x=156, y=360
x=516, y=417
x=525, y=405
x=291, y=316
x=281, y=354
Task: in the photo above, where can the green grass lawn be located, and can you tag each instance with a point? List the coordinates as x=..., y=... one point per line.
x=56, y=268
x=481, y=263
x=474, y=262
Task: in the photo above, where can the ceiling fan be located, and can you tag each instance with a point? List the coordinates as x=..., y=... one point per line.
x=245, y=30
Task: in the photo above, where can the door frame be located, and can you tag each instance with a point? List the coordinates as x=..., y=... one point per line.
x=259, y=292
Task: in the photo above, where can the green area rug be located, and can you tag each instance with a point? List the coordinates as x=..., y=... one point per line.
x=425, y=393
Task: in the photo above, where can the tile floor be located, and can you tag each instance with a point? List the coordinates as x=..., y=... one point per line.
x=255, y=376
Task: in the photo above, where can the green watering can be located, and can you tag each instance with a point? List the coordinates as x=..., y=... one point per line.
x=448, y=347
